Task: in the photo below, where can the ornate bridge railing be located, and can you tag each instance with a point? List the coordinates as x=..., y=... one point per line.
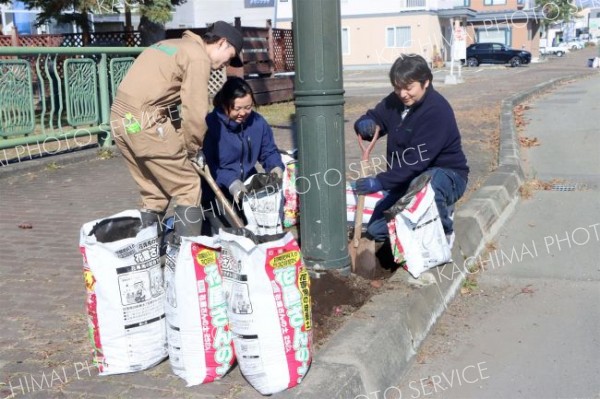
x=49, y=94
x=52, y=94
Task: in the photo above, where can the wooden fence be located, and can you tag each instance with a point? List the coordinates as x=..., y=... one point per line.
x=268, y=54
x=268, y=57
x=100, y=39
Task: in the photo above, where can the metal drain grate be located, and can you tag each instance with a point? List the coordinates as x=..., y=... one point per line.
x=564, y=187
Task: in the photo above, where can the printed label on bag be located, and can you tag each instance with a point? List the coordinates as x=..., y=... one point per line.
x=213, y=306
x=290, y=288
x=206, y=257
x=286, y=259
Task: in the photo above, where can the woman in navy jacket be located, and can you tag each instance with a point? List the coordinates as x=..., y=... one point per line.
x=237, y=138
x=422, y=138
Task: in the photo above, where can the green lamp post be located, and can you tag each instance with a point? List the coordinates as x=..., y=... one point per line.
x=319, y=102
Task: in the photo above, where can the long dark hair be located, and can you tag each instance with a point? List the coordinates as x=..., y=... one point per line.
x=233, y=88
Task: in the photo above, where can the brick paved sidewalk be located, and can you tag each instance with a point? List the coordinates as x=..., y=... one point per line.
x=44, y=350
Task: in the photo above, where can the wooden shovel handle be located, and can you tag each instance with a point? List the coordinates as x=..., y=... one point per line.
x=358, y=216
x=205, y=173
x=360, y=203
x=367, y=151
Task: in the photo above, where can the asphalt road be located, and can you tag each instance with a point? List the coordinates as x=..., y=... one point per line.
x=530, y=327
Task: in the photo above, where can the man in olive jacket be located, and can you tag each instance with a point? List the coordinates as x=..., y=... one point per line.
x=157, y=142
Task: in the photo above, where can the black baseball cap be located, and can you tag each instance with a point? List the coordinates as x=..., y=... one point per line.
x=233, y=36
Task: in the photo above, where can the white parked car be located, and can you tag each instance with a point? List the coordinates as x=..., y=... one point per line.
x=557, y=51
x=573, y=44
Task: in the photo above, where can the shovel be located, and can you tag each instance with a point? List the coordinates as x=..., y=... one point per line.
x=204, y=172
x=362, y=250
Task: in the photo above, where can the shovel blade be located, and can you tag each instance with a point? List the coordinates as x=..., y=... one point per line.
x=365, y=261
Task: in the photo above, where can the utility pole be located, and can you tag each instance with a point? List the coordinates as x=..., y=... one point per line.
x=319, y=97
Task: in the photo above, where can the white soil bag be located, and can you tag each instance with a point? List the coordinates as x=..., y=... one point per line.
x=370, y=201
x=198, y=335
x=125, y=296
x=416, y=232
x=269, y=308
x=263, y=204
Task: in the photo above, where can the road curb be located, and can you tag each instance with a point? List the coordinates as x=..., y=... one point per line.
x=367, y=356
x=17, y=169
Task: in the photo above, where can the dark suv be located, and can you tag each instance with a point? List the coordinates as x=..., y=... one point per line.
x=495, y=53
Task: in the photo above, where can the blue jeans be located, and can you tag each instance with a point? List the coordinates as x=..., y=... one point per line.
x=448, y=187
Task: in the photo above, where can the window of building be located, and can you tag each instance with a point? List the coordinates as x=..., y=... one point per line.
x=493, y=2
x=345, y=41
x=398, y=36
x=500, y=35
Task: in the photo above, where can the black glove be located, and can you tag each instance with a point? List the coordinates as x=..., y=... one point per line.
x=365, y=128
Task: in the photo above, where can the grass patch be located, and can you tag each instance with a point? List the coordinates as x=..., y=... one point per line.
x=53, y=166
x=469, y=284
x=105, y=153
x=284, y=113
x=278, y=114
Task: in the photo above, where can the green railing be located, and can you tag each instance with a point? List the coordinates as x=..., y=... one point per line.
x=55, y=93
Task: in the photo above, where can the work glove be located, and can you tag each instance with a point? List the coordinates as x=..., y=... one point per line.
x=236, y=189
x=199, y=159
x=365, y=128
x=277, y=172
x=368, y=185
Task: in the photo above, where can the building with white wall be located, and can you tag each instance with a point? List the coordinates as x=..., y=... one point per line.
x=373, y=32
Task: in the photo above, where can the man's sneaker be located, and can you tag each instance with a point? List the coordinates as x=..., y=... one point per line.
x=424, y=279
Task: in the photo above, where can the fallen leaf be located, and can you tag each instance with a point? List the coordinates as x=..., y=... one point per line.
x=527, y=290
x=529, y=142
x=25, y=226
